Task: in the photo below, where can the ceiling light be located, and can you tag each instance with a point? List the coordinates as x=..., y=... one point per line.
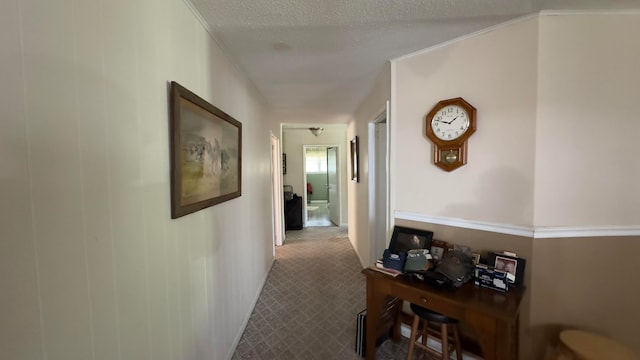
x=316, y=130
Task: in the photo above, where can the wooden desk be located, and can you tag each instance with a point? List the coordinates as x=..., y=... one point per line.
x=491, y=314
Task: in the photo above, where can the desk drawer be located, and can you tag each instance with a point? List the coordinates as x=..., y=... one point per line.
x=431, y=302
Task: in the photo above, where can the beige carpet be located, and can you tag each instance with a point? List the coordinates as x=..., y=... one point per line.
x=308, y=306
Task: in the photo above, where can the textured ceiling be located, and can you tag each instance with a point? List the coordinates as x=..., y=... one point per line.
x=323, y=56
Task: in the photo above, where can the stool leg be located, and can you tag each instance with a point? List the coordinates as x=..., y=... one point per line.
x=444, y=337
x=456, y=337
x=425, y=332
x=413, y=337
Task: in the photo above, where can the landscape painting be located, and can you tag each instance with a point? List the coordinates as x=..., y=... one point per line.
x=206, y=153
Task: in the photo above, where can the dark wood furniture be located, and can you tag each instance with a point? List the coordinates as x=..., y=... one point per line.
x=493, y=316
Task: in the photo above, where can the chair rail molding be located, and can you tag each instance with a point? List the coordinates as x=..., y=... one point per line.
x=543, y=232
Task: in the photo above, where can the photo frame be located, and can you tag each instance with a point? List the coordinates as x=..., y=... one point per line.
x=404, y=239
x=476, y=258
x=206, y=153
x=355, y=154
x=512, y=265
x=438, y=249
x=284, y=164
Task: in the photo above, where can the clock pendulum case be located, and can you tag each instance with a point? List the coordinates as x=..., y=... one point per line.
x=448, y=125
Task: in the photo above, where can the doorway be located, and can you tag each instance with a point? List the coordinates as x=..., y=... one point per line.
x=321, y=185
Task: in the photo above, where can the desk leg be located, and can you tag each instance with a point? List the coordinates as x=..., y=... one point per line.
x=498, y=338
x=485, y=332
x=374, y=311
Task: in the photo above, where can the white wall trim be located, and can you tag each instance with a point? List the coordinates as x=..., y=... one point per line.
x=590, y=12
x=586, y=231
x=475, y=225
x=536, y=233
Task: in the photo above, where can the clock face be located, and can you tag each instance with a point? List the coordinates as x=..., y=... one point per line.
x=450, y=122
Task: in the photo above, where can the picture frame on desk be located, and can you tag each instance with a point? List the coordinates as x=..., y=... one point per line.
x=512, y=265
x=476, y=258
x=438, y=249
x=405, y=239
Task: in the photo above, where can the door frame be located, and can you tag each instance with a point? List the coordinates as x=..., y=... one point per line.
x=277, y=197
x=378, y=240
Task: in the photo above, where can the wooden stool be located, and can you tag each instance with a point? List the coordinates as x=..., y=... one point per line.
x=582, y=345
x=446, y=339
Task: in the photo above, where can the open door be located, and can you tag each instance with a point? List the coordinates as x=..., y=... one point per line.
x=278, y=195
x=332, y=181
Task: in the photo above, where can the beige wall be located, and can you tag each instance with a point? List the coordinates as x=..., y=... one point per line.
x=550, y=154
x=496, y=73
x=91, y=265
x=587, y=174
x=359, y=216
x=587, y=283
x=587, y=169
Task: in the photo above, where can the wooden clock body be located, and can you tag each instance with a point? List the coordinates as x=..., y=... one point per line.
x=449, y=125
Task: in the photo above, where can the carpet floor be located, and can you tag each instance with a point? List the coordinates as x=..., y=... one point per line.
x=307, y=308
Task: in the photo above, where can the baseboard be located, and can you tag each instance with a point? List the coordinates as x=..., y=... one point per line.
x=245, y=321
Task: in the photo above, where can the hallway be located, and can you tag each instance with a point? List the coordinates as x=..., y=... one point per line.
x=308, y=305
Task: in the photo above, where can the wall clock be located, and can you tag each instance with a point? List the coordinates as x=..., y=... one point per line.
x=448, y=125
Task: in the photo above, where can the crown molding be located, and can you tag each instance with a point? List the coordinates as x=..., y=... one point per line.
x=531, y=232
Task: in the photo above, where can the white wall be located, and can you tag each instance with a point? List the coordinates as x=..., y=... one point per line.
x=91, y=265
x=587, y=168
x=555, y=147
x=496, y=72
x=359, y=220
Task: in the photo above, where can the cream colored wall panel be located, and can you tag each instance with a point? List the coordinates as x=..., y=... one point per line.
x=587, y=171
x=496, y=73
x=94, y=160
x=20, y=332
x=126, y=197
x=153, y=113
x=118, y=277
x=55, y=179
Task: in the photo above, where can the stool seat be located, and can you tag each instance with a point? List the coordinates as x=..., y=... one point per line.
x=430, y=315
x=589, y=346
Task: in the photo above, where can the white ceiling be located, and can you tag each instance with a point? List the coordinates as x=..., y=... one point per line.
x=322, y=56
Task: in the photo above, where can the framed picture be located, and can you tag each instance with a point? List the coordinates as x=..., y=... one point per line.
x=476, y=258
x=206, y=153
x=438, y=249
x=355, y=150
x=513, y=266
x=405, y=239
x=284, y=164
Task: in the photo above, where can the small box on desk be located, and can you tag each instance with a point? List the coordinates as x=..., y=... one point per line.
x=489, y=277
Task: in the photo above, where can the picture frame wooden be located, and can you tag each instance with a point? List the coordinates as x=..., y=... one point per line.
x=205, y=151
x=512, y=265
x=438, y=249
x=355, y=154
